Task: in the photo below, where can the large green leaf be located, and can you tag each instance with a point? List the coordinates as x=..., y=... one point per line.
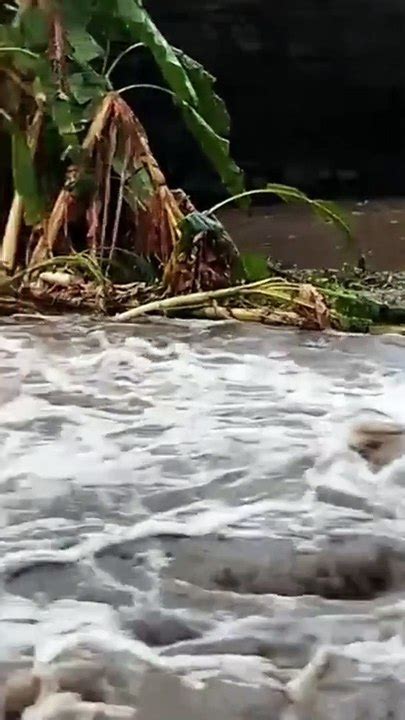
x=71, y=121
x=34, y=29
x=216, y=149
x=10, y=36
x=87, y=85
x=105, y=25
x=85, y=48
x=66, y=117
x=24, y=176
x=13, y=50
x=204, y=113
x=45, y=82
x=143, y=29
x=210, y=106
x=76, y=13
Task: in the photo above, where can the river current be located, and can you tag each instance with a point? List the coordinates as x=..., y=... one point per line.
x=182, y=530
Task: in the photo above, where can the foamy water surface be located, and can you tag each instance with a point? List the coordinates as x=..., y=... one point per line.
x=178, y=512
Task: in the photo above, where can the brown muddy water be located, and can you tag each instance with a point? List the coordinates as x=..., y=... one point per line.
x=182, y=530
x=293, y=236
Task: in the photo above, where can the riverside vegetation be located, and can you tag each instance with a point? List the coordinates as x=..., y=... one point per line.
x=88, y=221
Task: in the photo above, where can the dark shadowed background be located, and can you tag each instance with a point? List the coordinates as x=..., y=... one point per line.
x=315, y=89
x=316, y=92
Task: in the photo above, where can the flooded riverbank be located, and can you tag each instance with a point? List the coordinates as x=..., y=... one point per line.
x=181, y=529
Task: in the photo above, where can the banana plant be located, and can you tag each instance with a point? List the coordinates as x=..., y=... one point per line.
x=54, y=55
x=72, y=132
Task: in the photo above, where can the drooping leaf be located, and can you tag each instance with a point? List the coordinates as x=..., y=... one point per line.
x=216, y=149
x=330, y=212
x=143, y=29
x=325, y=210
x=210, y=106
x=203, y=111
x=24, y=176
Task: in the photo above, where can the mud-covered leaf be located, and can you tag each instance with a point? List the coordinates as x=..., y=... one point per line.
x=143, y=29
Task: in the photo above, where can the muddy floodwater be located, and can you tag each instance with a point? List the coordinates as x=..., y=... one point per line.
x=291, y=234
x=182, y=531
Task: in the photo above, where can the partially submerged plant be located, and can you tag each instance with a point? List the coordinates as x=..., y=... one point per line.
x=269, y=301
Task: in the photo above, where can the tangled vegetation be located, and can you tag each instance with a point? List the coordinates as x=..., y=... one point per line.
x=87, y=220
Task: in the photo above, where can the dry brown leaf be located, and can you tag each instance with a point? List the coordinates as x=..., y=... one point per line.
x=312, y=308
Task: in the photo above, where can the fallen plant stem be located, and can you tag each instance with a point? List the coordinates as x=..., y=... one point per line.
x=265, y=316
x=200, y=298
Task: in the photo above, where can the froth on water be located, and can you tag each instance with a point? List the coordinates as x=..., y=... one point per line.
x=200, y=520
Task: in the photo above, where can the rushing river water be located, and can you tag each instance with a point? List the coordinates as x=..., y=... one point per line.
x=181, y=529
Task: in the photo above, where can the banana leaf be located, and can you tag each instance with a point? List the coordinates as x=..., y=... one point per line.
x=25, y=178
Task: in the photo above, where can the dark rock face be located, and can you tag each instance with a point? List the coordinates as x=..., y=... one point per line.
x=316, y=90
